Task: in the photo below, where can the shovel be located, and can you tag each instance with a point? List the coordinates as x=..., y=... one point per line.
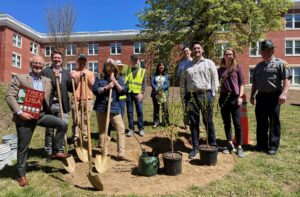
x=69, y=162
x=82, y=153
x=93, y=177
x=102, y=162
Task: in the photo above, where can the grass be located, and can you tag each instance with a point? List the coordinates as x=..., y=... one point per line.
x=257, y=174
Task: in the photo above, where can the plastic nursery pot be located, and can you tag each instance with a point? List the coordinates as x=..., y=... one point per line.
x=148, y=164
x=172, y=163
x=208, y=155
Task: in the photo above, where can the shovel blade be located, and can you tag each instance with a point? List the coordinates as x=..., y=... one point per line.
x=69, y=164
x=82, y=154
x=94, y=179
x=102, y=163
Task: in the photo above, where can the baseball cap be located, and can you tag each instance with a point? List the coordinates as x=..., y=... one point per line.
x=82, y=56
x=266, y=44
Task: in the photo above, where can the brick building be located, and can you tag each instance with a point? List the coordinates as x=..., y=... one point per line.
x=19, y=42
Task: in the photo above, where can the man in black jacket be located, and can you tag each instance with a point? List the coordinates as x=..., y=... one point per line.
x=53, y=72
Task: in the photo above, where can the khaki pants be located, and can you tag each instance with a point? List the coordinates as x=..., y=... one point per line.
x=118, y=124
x=75, y=125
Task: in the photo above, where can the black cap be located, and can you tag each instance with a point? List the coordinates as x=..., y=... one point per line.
x=266, y=44
x=82, y=56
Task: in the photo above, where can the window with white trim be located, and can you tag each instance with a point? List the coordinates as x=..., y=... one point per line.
x=33, y=48
x=93, y=66
x=295, y=76
x=220, y=48
x=93, y=49
x=139, y=47
x=115, y=48
x=71, y=66
x=292, y=21
x=292, y=47
x=16, y=60
x=48, y=50
x=70, y=50
x=254, y=49
x=17, y=40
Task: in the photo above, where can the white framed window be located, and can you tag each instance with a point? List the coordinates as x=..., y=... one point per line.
x=292, y=21
x=251, y=74
x=48, y=50
x=71, y=66
x=70, y=50
x=33, y=48
x=139, y=47
x=17, y=40
x=115, y=48
x=93, y=66
x=254, y=49
x=16, y=60
x=93, y=49
x=220, y=48
x=295, y=76
x=292, y=47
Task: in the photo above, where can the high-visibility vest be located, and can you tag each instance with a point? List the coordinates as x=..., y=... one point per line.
x=123, y=96
x=135, y=84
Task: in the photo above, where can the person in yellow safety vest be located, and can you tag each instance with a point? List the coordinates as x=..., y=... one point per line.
x=136, y=84
x=122, y=68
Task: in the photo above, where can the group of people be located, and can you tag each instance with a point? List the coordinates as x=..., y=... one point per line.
x=200, y=80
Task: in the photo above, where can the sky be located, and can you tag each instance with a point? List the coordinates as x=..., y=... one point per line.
x=91, y=15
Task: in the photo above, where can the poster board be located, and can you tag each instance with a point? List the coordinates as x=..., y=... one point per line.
x=30, y=101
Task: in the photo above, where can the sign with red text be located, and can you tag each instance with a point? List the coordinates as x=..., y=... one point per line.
x=30, y=101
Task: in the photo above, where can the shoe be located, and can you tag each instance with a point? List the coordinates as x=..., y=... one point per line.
x=141, y=132
x=60, y=156
x=240, y=153
x=229, y=149
x=130, y=133
x=122, y=158
x=193, y=153
x=155, y=125
x=272, y=152
x=22, y=181
x=187, y=128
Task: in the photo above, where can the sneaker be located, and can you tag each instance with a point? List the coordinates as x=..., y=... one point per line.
x=141, y=132
x=272, y=152
x=240, y=153
x=130, y=133
x=155, y=125
x=193, y=153
x=229, y=149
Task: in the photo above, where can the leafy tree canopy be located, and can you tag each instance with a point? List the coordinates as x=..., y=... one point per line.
x=238, y=22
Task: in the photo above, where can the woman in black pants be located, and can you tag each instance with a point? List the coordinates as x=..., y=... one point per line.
x=231, y=91
x=159, y=94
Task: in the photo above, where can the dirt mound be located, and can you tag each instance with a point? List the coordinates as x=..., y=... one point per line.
x=123, y=178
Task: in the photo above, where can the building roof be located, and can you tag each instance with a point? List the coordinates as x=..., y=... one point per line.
x=7, y=20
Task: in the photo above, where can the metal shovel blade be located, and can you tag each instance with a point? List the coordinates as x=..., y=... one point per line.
x=94, y=179
x=69, y=164
x=102, y=163
x=82, y=154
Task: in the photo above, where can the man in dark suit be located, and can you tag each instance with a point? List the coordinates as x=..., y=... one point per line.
x=53, y=72
x=25, y=123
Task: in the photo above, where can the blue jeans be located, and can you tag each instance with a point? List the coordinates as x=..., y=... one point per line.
x=122, y=106
x=132, y=98
x=201, y=102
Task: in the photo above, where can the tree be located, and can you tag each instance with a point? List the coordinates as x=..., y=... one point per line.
x=61, y=21
x=238, y=22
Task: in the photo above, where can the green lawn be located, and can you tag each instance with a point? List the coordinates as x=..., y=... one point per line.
x=257, y=174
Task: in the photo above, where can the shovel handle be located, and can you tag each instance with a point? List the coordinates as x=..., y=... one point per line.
x=75, y=101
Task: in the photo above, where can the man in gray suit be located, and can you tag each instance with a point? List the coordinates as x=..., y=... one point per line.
x=25, y=123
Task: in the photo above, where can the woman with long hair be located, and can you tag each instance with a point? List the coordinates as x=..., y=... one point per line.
x=109, y=79
x=231, y=92
x=159, y=94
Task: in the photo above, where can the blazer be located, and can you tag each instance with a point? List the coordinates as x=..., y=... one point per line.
x=26, y=80
x=66, y=86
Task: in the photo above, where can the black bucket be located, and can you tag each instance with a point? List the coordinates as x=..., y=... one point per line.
x=148, y=164
x=172, y=164
x=208, y=155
